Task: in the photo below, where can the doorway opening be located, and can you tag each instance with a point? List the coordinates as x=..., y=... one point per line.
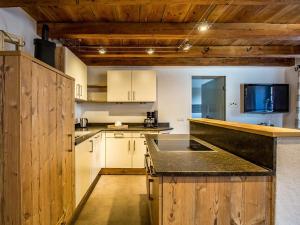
x=208, y=97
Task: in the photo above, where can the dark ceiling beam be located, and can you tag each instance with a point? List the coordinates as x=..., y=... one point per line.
x=281, y=62
x=196, y=51
x=172, y=31
x=30, y=3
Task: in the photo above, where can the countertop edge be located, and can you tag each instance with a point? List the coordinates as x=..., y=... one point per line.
x=251, y=128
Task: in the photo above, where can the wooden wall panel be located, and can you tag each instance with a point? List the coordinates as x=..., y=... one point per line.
x=26, y=142
x=35, y=153
x=12, y=208
x=217, y=200
x=1, y=138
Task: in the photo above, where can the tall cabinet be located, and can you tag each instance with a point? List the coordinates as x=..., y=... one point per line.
x=36, y=142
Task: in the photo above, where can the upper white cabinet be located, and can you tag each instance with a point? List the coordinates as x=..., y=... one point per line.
x=131, y=86
x=119, y=86
x=70, y=64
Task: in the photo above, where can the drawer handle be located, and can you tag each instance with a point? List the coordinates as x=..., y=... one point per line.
x=119, y=135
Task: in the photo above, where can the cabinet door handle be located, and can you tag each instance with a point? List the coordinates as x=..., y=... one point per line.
x=128, y=145
x=133, y=95
x=128, y=95
x=80, y=90
x=92, y=146
x=149, y=188
x=134, y=146
x=71, y=142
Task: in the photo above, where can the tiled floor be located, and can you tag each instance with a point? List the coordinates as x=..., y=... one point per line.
x=117, y=200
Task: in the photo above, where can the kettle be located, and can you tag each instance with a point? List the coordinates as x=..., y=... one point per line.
x=83, y=122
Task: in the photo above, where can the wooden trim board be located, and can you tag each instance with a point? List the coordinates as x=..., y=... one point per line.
x=251, y=128
x=123, y=171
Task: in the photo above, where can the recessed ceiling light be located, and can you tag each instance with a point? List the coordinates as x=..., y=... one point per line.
x=102, y=51
x=203, y=26
x=186, y=47
x=150, y=51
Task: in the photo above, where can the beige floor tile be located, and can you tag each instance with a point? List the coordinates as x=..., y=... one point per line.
x=117, y=200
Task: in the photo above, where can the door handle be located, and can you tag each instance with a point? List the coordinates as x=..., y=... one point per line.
x=92, y=146
x=71, y=142
x=128, y=95
x=149, y=188
x=134, y=146
x=80, y=90
x=133, y=95
x=128, y=145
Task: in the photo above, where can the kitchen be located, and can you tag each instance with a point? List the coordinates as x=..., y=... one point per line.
x=98, y=128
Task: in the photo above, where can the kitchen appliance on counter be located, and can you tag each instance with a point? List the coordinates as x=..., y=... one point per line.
x=83, y=122
x=151, y=120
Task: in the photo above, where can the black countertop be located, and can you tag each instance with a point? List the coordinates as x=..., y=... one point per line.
x=190, y=163
x=94, y=129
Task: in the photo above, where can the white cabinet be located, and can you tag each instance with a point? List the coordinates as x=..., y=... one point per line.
x=83, y=159
x=87, y=165
x=118, y=150
x=70, y=64
x=119, y=86
x=143, y=86
x=139, y=151
x=131, y=86
x=125, y=149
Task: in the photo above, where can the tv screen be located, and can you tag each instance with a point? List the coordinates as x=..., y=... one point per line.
x=266, y=98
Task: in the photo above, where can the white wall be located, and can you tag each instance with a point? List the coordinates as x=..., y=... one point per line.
x=16, y=21
x=175, y=92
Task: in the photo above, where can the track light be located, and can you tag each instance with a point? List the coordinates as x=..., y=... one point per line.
x=203, y=26
x=150, y=51
x=186, y=47
x=102, y=51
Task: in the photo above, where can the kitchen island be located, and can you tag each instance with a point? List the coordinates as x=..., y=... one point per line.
x=222, y=173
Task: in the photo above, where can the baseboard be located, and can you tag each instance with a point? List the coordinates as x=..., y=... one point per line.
x=80, y=206
x=123, y=171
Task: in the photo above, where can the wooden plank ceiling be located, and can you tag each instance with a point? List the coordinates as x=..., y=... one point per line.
x=244, y=32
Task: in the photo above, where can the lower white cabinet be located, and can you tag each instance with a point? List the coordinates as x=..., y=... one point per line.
x=87, y=165
x=125, y=149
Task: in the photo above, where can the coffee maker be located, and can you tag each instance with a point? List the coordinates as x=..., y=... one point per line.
x=151, y=120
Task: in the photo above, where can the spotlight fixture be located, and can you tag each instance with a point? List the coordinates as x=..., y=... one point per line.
x=150, y=51
x=203, y=26
x=102, y=51
x=186, y=47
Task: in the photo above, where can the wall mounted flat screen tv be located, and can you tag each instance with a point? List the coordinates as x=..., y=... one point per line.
x=266, y=98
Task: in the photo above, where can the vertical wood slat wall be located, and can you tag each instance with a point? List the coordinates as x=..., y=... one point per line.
x=36, y=143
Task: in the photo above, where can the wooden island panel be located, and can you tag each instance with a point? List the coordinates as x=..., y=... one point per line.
x=217, y=200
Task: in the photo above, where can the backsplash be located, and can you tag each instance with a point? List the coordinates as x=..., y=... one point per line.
x=111, y=112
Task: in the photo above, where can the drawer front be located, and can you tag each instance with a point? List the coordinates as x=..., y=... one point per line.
x=118, y=134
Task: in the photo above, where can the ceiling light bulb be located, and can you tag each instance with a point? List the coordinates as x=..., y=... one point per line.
x=102, y=51
x=186, y=47
x=150, y=51
x=204, y=26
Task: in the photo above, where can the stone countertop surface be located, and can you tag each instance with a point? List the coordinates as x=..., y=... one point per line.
x=190, y=163
x=96, y=129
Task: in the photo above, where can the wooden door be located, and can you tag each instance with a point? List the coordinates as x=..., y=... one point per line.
x=118, y=152
x=65, y=144
x=143, y=86
x=119, y=86
x=138, y=153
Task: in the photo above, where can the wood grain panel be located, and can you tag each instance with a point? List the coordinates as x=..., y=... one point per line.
x=26, y=142
x=2, y=86
x=12, y=189
x=216, y=200
x=159, y=61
